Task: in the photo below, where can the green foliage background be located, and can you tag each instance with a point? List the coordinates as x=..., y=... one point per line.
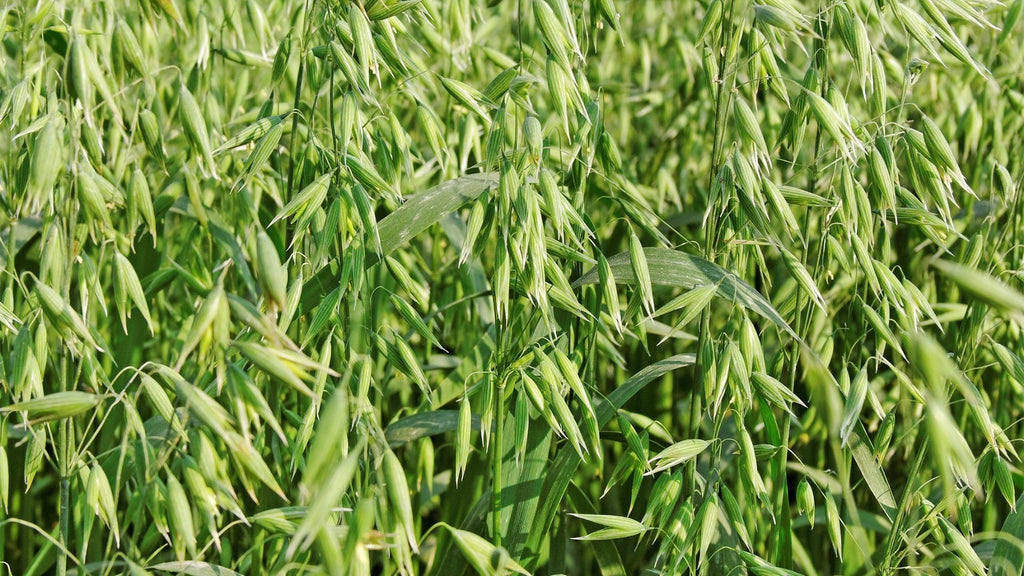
x=548, y=286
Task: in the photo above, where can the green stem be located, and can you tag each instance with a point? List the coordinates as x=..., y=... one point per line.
x=66, y=209
x=723, y=89
x=292, y=145
x=497, y=450
x=63, y=449
x=697, y=401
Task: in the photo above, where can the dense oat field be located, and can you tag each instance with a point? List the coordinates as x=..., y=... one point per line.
x=511, y=286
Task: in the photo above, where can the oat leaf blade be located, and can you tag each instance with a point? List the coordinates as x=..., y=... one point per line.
x=681, y=270
x=424, y=424
x=422, y=210
x=1008, y=555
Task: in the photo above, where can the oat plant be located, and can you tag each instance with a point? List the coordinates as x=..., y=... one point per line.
x=516, y=286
